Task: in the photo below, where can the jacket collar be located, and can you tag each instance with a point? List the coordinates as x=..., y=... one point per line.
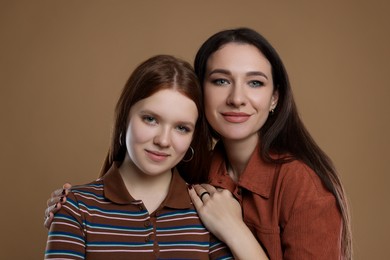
x=257, y=176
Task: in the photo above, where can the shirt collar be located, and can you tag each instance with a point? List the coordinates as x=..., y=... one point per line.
x=178, y=197
x=116, y=191
x=257, y=176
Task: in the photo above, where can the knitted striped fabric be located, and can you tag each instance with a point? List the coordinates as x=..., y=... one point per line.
x=101, y=220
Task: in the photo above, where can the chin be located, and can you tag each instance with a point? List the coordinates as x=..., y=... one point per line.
x=234, y=135
x=156, y=171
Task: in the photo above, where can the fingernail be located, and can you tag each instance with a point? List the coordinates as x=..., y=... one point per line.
x=189, y=186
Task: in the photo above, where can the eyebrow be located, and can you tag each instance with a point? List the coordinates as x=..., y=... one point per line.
x=227, y=72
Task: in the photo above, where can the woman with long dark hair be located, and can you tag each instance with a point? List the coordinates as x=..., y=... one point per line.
x=290, y=193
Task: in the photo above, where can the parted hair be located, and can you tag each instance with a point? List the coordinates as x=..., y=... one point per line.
x=283, y=132
x=157, y=73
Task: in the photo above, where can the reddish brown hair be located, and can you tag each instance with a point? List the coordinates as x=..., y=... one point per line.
x=157, y=73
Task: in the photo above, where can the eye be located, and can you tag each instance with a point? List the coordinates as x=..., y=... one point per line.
x=256, y=83
x=183, y=129
x=220, y=82
x=149, y=120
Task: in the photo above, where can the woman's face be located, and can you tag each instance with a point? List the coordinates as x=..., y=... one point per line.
x=239, y=91
x=160, y=131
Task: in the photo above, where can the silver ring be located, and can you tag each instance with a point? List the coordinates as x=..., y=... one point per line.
x=204, y=193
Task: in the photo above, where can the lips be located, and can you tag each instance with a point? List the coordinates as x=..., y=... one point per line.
x=156, y=155
x=235, y=117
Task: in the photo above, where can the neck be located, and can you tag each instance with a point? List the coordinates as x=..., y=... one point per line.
x=152, y=190
x=238, y=153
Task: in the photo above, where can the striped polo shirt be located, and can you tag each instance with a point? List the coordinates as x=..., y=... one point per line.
x=101, y=220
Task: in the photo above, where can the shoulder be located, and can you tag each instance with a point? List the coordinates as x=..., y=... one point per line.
x=92, y=189
x=297, y=177
x=301, y=192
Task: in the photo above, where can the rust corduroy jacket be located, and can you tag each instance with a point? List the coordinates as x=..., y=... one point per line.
x=287, y=207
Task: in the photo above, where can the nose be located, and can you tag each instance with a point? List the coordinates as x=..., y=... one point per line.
x=237, y=96
x=162, y=138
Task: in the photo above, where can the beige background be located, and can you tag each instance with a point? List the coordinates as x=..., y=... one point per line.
x=63, y=64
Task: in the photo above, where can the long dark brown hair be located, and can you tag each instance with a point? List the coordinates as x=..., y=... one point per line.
x=284, y=131
x=157, y=73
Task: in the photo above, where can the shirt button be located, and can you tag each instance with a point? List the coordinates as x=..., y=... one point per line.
x=147, y=223
x=147, y=239
x=140, y=207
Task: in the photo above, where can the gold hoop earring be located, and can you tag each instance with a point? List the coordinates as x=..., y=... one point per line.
x=192, y=155
x=120, y=139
